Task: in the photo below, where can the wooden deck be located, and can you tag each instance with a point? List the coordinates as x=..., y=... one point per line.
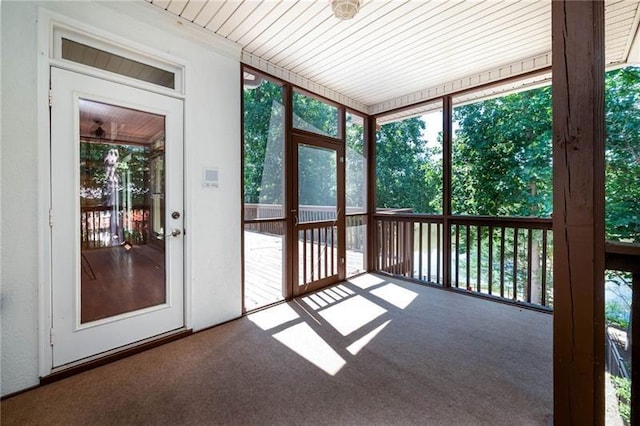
x=263, y=268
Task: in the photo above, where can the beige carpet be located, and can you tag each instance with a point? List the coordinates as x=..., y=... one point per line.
x=369, y=351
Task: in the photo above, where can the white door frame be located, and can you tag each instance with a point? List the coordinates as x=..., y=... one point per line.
x=48, y=23
x=71, y=339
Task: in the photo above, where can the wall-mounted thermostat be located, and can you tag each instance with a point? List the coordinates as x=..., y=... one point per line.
x=210, y=178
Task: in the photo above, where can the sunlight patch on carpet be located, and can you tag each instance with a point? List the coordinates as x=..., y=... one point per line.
x=396, y=295
x=273, y=317
x=351, y=314
x=301, y=339
x=356, y=346
x=365, y=281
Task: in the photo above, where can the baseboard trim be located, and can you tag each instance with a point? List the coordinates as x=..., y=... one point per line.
x=72, y=370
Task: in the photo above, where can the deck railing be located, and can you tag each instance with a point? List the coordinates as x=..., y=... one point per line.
x=269, y=219
x=614, y=363
x=506, y=257
x=95, y=226
x=626, y=257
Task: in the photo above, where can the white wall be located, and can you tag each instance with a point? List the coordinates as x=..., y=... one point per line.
x=19, y=292
x=212, y=139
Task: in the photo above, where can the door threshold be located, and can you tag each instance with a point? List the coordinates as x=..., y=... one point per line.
x=108, y=357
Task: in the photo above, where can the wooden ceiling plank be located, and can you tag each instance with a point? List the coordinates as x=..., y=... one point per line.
x=421, y=78
x=474, y=38
x=633, y=33
x=207, y=12
x=395, y=42
x=416, y=48
x=454, y=66
x=261, y=26
x=243, y=13
x=427, y=48
x=246, y=23
x=291, y=22
x=428, y=74
x=623, y=9
x=361, y=30
x=409, y=36
x=619, y=33
x=223, y=14
x=177, y=6
x=192, y=9
x=321, y=41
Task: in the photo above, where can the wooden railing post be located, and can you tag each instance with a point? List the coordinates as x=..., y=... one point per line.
x=578, y=211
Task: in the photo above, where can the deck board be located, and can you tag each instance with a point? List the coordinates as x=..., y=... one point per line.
x=263, y=268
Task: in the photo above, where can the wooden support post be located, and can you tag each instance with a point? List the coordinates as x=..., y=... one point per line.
x=291, y=236
x=578, y=216
x=446, y=190
x=370, y=155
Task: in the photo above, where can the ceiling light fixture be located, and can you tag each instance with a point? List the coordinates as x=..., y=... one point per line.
x=345, y=9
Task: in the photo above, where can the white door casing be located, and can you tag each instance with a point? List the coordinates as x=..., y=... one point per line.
x=71, y=339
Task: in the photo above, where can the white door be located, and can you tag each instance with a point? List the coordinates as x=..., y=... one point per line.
x=116, y=214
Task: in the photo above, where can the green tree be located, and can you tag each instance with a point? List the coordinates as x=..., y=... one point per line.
x=314, y=115
x=501, y=162
x=622, y=154
x=407, y=173
x=356, y=165
x=263, y=144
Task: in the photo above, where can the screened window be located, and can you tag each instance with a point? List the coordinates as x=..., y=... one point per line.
x=409, y=163
x=313, y=115
x=264, y=222
x=263, y=148
x=501, y=155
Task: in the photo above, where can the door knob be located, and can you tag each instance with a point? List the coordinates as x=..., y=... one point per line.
x=176, y=232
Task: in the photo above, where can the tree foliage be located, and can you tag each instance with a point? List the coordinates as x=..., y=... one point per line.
x=263, y=144
x=314, y=115
x=356, y=165
x=622, y=184
x=501, y=163
x=408, y=171
x=502, y=158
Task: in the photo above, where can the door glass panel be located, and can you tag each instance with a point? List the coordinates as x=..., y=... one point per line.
x=317, y=184
x=356, y=194
x=356, y=166
x=122, y=210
